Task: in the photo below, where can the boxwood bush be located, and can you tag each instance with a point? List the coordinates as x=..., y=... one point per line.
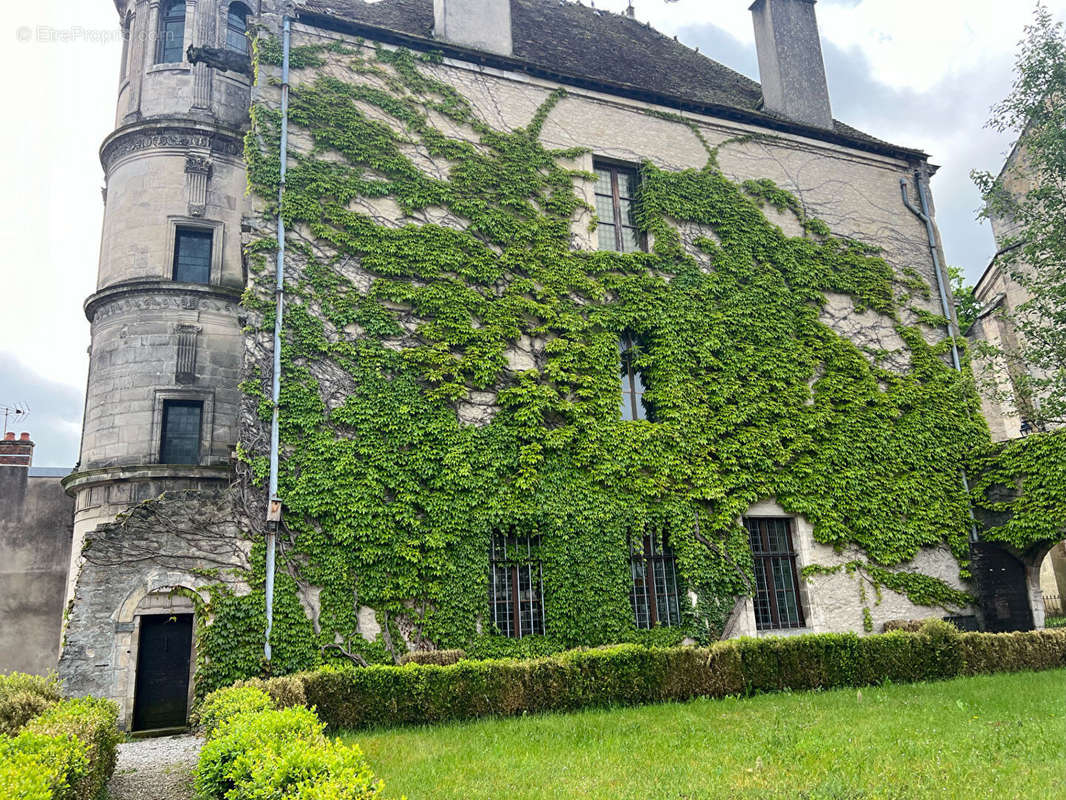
x=66, y=753
x=255, y=751
x=23, y=697
x=377, y=696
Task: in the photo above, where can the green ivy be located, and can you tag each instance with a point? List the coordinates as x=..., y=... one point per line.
x=391, y=500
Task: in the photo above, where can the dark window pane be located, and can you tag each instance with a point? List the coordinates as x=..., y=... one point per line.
x=192, y=256
x=171, y=43
x=516, y=588
x=654, y=592
x=181, y=432
x=633, y=403
x=236, y=28
x=615, y=187
x=776, y=579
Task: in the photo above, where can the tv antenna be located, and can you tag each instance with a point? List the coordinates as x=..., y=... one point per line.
x=14, y=413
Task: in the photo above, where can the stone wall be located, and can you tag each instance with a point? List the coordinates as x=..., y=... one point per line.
x=36, y=518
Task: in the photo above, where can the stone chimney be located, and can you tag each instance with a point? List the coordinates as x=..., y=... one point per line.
x=790, y=61
x=477, y=24
x=16, y=452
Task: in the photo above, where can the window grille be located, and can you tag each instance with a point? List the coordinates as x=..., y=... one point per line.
x=237, y=28
x=615, y=189
x=634, y=406
x=654, y=589
x=171, y=45
x=777, y=603
x=181, y=432
x=192, y=255
x=517, y=590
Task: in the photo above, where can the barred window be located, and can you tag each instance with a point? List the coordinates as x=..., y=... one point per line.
x=777, y=602
x=170, y=49
x=654, y=590
x=615, y=190
x=517, y=590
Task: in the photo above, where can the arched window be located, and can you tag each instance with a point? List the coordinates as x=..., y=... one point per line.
x=237, y=28
x=171, y=49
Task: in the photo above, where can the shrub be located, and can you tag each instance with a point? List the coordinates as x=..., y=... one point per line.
x=23, y=697
x=286, y=691
x=907, y=625
x=224, y=704
x=48, y=767
x=986, y=653
x=89, y=723
x=442, y=658
x=22, y=775
x=280, y=754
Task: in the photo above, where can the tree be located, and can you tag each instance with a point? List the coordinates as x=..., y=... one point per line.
x=1030, y=196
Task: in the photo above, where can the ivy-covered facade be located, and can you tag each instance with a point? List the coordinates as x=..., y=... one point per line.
x=565, y=361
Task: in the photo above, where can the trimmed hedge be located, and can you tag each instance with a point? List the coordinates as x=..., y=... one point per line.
x=625, y=675
x=66, y=753
x=442, y=658
x=254, y=754
x=23, y=697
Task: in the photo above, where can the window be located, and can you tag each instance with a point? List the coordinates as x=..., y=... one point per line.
x=181, y=432
x=170, y=48
x=615, y=187
x=237, y=28
x=192, y=255
x=634, y=406
x=654, y=590
x=776, y=580
x=517, y=591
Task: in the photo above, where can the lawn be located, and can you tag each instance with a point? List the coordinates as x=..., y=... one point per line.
x=987, y=737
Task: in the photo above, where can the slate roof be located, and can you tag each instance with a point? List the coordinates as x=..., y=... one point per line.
x=565, y=39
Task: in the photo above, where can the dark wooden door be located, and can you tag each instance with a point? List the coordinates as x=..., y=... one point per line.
x=161, y=698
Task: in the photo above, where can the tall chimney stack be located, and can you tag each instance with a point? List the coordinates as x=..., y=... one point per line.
x=790, y=61
x=477, y=24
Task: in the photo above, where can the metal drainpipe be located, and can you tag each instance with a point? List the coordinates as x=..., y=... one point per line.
x=941, y=285
x=274, y=504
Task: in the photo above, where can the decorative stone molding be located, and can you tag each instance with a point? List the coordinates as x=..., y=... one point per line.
x=185, y=368
x=153, y=295
x=169, y=137
x=197, y=174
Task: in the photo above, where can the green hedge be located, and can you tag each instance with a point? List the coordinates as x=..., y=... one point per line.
x=23, y=697
x=66, y=753
x=631, y=675
x=257, y=752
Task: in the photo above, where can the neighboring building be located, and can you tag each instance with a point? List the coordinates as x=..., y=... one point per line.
x=180, y=370
x=35, y=531
x=1011, y=410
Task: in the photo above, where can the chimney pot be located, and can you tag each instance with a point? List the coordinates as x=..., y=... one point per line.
x=25, y=437
x=9, y=437
x=791, y=68
x=476, y=24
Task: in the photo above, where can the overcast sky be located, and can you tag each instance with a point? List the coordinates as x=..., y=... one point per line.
x=920, y=73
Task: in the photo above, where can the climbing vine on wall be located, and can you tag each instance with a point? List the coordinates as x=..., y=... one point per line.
x=393, y=328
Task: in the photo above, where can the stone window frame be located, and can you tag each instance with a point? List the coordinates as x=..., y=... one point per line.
x=188, y=23
x=207, y=419
x=217, y=230
x=802, y=540
x=223, y=22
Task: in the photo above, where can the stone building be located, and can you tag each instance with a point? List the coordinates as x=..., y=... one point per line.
x=164, y=510
x=1009, y=408
x=35, y=532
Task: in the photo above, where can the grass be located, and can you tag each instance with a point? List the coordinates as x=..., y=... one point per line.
x=1000, y=736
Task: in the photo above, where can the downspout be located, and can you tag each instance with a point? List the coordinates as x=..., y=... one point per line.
x=274, y=504
x=941, y=285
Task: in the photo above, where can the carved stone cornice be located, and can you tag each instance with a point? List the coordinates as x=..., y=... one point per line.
x=139, y=296
x=171, y=134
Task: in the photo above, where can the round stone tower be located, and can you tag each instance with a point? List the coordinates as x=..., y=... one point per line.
x=162, y=401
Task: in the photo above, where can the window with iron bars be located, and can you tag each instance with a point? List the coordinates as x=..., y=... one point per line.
x=616, y=187
x=654, y=588
x=517, y=585
x=777, y=600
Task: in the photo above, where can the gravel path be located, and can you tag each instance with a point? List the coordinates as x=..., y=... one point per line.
x=155, y=769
